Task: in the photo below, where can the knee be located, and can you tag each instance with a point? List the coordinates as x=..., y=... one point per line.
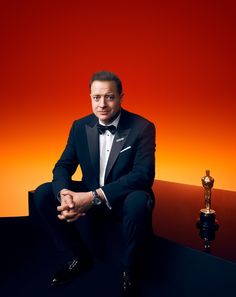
x=138, y=203
x=43, y=196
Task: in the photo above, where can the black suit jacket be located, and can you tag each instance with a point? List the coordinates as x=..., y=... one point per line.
x=131, y=164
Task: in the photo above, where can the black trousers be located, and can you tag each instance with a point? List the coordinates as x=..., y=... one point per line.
x=134, y=213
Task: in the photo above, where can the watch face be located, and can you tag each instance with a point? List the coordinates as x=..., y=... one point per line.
x=97, y=201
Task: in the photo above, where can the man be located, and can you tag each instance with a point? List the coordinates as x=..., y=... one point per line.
x=115, y=150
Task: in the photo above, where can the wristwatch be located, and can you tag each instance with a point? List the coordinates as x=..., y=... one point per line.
x=96, y=198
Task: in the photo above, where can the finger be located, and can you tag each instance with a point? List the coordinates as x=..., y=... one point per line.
x=64, y=215
x=76, y=217
x=67, y=192
x=69, y=215
x=69, y=220
x=61, y=217
x=67, y=200
x=63, y=207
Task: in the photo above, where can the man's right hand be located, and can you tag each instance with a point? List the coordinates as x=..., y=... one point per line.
x=66, y=200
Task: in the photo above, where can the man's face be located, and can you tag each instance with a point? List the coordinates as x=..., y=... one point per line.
x=106, y=101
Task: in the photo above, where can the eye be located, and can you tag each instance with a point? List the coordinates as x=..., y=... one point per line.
x=109, y=97
x=96, y=98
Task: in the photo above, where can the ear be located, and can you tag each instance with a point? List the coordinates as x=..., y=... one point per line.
x=121, y=97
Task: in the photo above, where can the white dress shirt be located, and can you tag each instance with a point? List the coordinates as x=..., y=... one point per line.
x=105, y=144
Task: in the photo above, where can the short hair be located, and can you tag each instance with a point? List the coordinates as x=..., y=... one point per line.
x=107, y=76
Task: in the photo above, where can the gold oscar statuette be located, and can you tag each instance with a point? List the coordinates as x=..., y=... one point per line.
x=207, y=183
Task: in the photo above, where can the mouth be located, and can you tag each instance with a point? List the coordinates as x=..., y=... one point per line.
x=103, y=112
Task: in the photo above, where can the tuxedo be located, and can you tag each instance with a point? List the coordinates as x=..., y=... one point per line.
x=131, y=164
x=128, y=178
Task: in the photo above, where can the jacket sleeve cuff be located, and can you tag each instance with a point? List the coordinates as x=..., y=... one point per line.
x=59, y=196
x=106, y=201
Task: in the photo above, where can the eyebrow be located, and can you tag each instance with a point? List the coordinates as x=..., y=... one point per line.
x=96, y=94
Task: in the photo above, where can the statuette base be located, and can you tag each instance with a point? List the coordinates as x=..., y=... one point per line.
x=207, y=216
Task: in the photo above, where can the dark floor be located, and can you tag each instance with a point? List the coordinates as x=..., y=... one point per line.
x=28, y=260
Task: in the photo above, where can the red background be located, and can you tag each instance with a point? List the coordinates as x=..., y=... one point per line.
x=175, y=58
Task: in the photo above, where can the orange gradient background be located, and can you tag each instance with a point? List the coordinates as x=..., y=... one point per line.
x=176, y=60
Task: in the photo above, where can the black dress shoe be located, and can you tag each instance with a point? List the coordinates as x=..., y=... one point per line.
x=127, y=286
x=70, y=271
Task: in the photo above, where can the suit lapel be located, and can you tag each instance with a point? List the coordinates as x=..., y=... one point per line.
x=93, y=145
x=118, y=143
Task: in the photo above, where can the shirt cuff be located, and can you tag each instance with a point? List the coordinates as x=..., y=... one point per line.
x=107, y=202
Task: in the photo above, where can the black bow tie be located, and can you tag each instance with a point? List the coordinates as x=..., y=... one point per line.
x=102, y=129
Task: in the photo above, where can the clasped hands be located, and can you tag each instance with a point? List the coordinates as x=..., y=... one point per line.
x=74, y=204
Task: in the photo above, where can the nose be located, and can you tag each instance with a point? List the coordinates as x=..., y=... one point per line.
x=102, y=102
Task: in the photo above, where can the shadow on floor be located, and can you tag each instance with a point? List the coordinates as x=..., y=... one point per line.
x=28, y=260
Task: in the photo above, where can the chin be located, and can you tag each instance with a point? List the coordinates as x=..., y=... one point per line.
x=108, y=118
x=103, y=118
